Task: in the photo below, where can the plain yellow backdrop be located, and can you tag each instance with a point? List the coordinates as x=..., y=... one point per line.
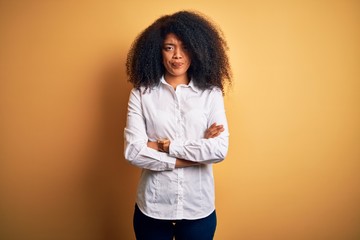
x=292, y=172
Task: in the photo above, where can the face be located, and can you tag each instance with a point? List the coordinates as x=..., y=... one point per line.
x=176, y=58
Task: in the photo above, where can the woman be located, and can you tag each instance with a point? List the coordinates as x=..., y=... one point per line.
x=176, y=125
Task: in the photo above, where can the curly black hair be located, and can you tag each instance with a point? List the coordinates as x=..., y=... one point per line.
x=204, y=40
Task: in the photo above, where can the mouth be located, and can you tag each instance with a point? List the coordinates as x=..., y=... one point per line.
x=177, y=64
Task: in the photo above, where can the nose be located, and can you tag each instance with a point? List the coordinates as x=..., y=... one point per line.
x=177, y=54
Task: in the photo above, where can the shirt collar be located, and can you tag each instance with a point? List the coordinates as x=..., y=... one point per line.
x=190, y=85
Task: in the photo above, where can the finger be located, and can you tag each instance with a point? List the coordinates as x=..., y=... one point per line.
x=214, y=130
x=216, y=127
x=211, y=133
x=212, y=126
x=219, y=128
x=215, y=133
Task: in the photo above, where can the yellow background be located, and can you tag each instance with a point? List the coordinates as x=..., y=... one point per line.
x=292, y=172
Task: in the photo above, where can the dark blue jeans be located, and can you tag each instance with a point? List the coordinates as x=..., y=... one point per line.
x=147, y=228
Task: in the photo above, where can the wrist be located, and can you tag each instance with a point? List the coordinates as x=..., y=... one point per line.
x=153, y=145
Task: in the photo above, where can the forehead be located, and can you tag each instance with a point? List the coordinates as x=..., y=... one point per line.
x=171, y=38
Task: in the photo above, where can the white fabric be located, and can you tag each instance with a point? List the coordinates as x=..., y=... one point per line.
x=166, y=192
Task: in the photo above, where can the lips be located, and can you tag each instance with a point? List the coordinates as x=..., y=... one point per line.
x=177, y=64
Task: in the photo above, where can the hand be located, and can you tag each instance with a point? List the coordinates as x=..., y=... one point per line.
x=163, y=145
x=213, y=131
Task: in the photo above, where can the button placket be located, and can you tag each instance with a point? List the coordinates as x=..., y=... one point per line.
x=178, y=113
x=180, y=193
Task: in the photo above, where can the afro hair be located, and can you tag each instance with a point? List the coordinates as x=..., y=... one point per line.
x=204, y=40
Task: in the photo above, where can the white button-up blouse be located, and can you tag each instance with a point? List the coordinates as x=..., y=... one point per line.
x=181, y=115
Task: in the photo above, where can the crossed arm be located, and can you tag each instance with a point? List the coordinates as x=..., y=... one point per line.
x=163, y=145
x=166, y=155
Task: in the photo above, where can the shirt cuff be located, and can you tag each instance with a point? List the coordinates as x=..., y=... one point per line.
x=168, y=160
x=176, y=149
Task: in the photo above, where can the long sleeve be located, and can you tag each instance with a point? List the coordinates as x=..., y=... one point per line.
x=136, y=150
x=206, y=150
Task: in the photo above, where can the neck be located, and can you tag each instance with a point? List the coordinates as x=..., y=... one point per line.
x=174, y=81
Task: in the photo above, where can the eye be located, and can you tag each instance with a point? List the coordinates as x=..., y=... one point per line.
x=168, y=48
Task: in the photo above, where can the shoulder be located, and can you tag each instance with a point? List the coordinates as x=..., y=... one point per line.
x=213, y=92
x=143, y=91
x=135, y=92
x=216, y=96
x=216, y=90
